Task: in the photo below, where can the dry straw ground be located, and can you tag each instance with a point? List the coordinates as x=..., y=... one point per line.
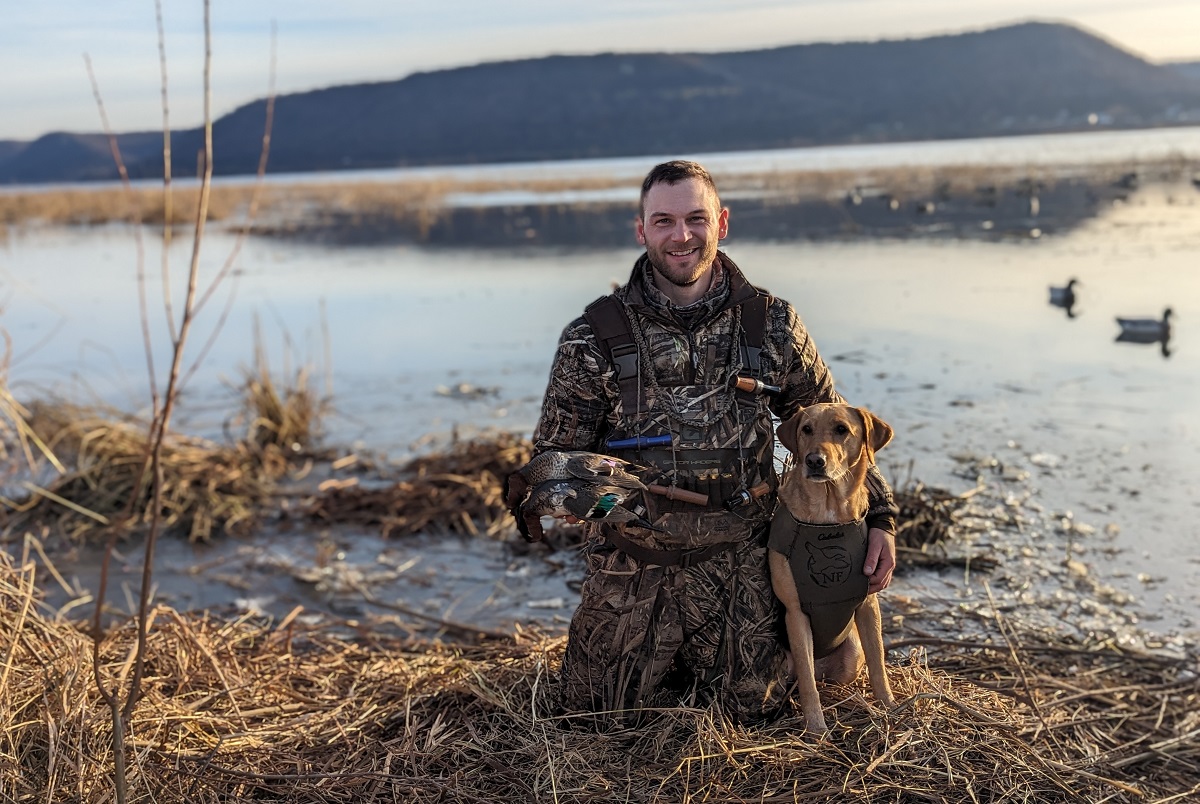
x=258, y=711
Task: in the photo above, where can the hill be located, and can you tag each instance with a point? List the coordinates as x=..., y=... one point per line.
x=1188, y=68
x=1026, y=78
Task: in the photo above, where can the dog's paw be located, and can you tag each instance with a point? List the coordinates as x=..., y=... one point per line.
x=815, y=727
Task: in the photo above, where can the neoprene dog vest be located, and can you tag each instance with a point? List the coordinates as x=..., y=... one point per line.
x=826, y=563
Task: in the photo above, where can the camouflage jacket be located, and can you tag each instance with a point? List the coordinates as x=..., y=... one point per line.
x=688, y=357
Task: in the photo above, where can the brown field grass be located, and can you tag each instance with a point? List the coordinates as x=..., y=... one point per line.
x=253, y=710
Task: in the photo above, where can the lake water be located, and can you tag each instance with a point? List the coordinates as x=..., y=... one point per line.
x=953, y=342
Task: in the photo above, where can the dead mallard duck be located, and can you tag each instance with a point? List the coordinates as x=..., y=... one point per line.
x=570, y=465
x=577, y=499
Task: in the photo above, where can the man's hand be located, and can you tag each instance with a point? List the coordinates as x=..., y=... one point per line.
x=881, y=559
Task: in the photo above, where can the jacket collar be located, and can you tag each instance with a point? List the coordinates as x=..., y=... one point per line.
x=729, y=288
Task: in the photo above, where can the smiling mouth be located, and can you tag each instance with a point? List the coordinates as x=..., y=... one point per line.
x=685, y=253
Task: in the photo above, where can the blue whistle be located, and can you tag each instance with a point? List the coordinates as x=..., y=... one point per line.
x=639, y=442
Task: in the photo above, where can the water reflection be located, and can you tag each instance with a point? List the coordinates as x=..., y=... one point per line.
x=1147, y=337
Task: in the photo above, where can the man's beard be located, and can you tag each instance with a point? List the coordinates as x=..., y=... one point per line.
x=661, y=265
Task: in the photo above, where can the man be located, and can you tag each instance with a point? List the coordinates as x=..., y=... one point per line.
x=648, y=374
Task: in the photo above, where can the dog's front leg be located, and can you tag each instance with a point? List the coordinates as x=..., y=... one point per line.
x=800, y=640
x=869, y=624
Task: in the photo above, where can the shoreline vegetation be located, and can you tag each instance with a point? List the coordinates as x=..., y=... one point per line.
x=959, y=201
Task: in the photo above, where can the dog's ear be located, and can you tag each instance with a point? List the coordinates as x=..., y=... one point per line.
x=877, y=433
x=787, y=431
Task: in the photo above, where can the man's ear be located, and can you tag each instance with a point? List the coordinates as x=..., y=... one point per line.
x=787, y=431
x=723, y=223
x=877, y=433
x=639, y=229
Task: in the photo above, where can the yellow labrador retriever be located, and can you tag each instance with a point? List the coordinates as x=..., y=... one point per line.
x=818, y=544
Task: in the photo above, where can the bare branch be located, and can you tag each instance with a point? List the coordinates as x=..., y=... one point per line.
x=168, y=203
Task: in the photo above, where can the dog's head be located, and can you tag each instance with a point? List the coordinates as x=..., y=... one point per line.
x=829, y=441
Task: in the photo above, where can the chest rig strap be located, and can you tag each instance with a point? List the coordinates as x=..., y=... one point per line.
x=614, y=335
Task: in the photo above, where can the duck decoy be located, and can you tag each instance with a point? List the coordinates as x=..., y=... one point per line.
x=1152, y=329
x=570, y=464
x=1064, y=297
x=585, y=501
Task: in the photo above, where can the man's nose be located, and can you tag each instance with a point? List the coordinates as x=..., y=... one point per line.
x=681, y=232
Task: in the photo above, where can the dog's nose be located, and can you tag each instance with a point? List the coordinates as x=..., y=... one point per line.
x=814, y=460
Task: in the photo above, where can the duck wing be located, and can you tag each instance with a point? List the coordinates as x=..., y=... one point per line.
x=603, y=503
x=592, y=501
x=593, y=466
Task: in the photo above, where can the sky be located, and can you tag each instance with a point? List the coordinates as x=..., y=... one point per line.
x=44, y=83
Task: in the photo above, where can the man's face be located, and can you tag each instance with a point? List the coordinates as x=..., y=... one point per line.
x=680, y=229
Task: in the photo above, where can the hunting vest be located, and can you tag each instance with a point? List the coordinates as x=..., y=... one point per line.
x=826, y=563
x=679, y=412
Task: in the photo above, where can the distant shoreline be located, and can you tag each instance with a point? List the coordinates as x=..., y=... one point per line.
x=962, y=201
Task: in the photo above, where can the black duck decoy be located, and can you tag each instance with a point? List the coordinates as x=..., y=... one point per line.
x=1152, y=328
x=1064, y=296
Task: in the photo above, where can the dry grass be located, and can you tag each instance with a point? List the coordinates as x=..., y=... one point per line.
x=88, y=206
x=457, y=491
x=207, y=488
x=281, y=416
x=228, y=202
x=256, y=711
x=101, y=480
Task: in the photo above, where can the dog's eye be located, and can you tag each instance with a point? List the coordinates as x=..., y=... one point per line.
x=806, y=429
x=841, y=429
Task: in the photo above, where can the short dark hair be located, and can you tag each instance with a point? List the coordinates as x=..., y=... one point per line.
x=674, y=172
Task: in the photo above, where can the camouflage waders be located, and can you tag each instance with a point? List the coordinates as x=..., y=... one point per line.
x=718, y=619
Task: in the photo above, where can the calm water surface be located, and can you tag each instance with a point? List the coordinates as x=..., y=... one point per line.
x=952, y=342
